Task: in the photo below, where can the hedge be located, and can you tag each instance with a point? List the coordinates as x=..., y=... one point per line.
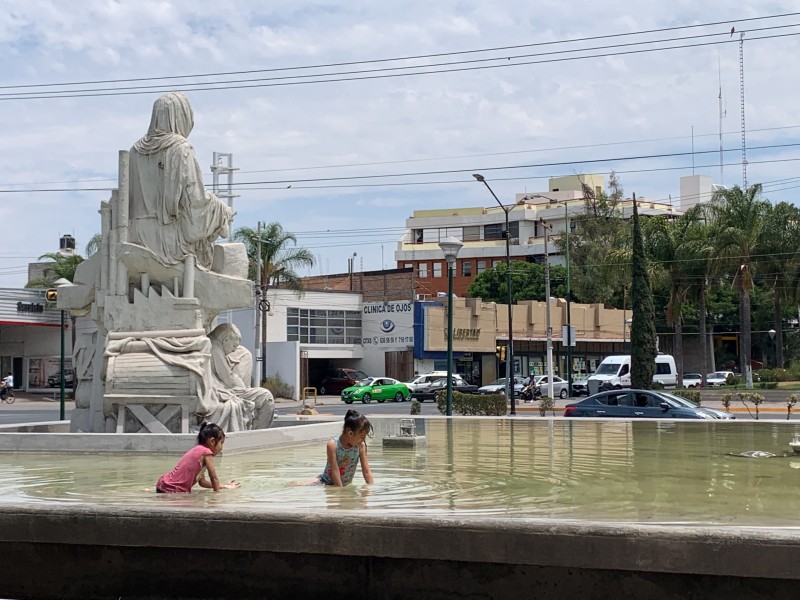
x=493, y=405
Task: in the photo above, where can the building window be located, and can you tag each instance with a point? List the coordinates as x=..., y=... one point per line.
x=466, y=268
x=495, y=263
x=418, y=236
x=481, y=266
x=437, y=269
x=430, y=236
x=323, y=326
x=472, y=233
x=423, y=270
x=408, y=265
x=513, y=230
x=493, y=232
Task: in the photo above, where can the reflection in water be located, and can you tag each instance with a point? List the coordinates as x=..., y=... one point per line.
x=621, y=471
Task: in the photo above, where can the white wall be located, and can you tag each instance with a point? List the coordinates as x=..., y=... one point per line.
x=283, y=360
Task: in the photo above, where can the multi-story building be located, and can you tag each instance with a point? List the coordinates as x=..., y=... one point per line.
x=482, y=230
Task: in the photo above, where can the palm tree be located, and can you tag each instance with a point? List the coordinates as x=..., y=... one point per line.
x=94, y=244
x=739, y=215
x=278, y=261
x=666, y=243
x=781, y=261
x=63, y=266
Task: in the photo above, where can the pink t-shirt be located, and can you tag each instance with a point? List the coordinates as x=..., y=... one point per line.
x=186, y=473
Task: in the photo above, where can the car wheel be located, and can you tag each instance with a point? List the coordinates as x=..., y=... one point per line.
x=398, y=397
x=366, y=399
x=348, y=401
x=322, y=391
x=563, y=394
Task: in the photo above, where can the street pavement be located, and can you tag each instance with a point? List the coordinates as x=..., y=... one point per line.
x=34, y=408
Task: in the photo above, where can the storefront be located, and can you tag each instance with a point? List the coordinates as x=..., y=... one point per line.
x=30, y=339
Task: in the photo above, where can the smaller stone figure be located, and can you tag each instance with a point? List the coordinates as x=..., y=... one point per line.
x=231, y=365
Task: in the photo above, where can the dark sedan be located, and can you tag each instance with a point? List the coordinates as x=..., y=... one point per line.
x=630, y=404
x=429, y=393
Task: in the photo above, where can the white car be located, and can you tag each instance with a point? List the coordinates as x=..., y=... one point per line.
x=560, y=386
x=718, y=378
x=692, y=380
x=423, y=382
x=498, y=386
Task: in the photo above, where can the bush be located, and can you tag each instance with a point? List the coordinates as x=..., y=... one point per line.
x=768, y=385
x=416, y=407
x=692, y=395
x=545, y=404
x=744, y=398
x=278, y=387
x=732, y=379
x=790, y=402
x=492, y=405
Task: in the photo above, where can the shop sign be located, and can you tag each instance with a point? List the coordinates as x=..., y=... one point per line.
x=29, y=307
x=472, y=335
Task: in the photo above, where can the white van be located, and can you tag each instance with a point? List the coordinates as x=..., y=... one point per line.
x=616, y=371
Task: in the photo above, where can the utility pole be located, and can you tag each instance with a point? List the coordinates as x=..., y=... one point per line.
x=222, y=164
x=547, y=312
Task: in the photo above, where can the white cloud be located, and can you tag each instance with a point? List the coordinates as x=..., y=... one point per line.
x=292, y=133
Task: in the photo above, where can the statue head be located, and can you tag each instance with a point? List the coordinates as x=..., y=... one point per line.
x=226, y=335
x=172, y=114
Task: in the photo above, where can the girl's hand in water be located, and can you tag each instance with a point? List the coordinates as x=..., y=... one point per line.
x=232, y=485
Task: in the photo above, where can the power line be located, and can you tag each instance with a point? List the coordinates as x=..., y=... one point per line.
x=326, y=78
x=417, y=57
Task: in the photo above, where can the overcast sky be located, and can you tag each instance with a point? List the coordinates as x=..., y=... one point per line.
x=519, y=114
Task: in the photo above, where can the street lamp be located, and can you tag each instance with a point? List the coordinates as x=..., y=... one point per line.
x=569, y=338
x=450, y=246
x=510, y=349
x=61, y=282
x=772, y=333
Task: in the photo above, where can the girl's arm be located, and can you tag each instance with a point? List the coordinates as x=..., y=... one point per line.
x=362, y=457
x=212, y=474
x=336, y=476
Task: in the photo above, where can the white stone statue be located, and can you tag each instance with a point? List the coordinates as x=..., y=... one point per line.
x=171, y=213
x=236, y=404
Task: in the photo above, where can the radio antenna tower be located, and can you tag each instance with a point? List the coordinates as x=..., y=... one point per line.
x=741, y=88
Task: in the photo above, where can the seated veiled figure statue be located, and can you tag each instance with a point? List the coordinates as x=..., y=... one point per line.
x=170, y=211
x=239, y=406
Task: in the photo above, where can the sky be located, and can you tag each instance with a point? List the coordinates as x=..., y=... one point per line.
x=344, y=118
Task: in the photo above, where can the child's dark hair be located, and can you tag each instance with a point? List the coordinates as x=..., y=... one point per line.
x=209, y=431
x=356, y=422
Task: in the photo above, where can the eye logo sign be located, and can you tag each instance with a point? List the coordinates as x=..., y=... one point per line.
x=387, y=326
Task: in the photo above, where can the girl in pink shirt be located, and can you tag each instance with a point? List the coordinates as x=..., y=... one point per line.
x=195, y=463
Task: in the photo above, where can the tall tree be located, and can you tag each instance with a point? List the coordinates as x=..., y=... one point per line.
x=643, y=328
x=739, y=215
x=599, y=232
x=280, y=259
x=527, y=283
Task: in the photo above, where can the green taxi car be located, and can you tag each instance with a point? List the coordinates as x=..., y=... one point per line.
x=376, y=388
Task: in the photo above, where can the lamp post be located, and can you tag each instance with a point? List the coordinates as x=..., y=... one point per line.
x=450, y=246
x=566, y=339
x=547, y=312
x=772, y=333
x=510, y=349
x=61, y=282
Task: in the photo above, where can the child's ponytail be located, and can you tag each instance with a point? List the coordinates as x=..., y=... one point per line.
x=209, y=431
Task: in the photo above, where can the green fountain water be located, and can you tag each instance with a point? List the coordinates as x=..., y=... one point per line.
x=613, y=471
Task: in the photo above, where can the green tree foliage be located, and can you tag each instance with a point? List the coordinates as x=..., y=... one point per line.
x=527, y=283
x=594, y=241
x=62, y=266
x=280, y=258
x=739, y=216
x=643, y=330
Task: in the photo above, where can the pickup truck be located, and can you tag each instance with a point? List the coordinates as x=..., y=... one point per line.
x=429, y=393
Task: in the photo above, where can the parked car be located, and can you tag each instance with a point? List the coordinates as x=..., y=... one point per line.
x=429, y=392
x=692, y=380
x=718, y=378
x=615, y=371
x=498, y=386
x=55, y=379
x=424, y=381
x=377, y=388
x=631, y=403
x=337, y=379
x=559, y=385
x=580, y=387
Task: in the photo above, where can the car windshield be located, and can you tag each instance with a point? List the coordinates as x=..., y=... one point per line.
x=679, y=400
x=366, y=381
x=718, y=375
x=500, y=381
x=607, y=369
